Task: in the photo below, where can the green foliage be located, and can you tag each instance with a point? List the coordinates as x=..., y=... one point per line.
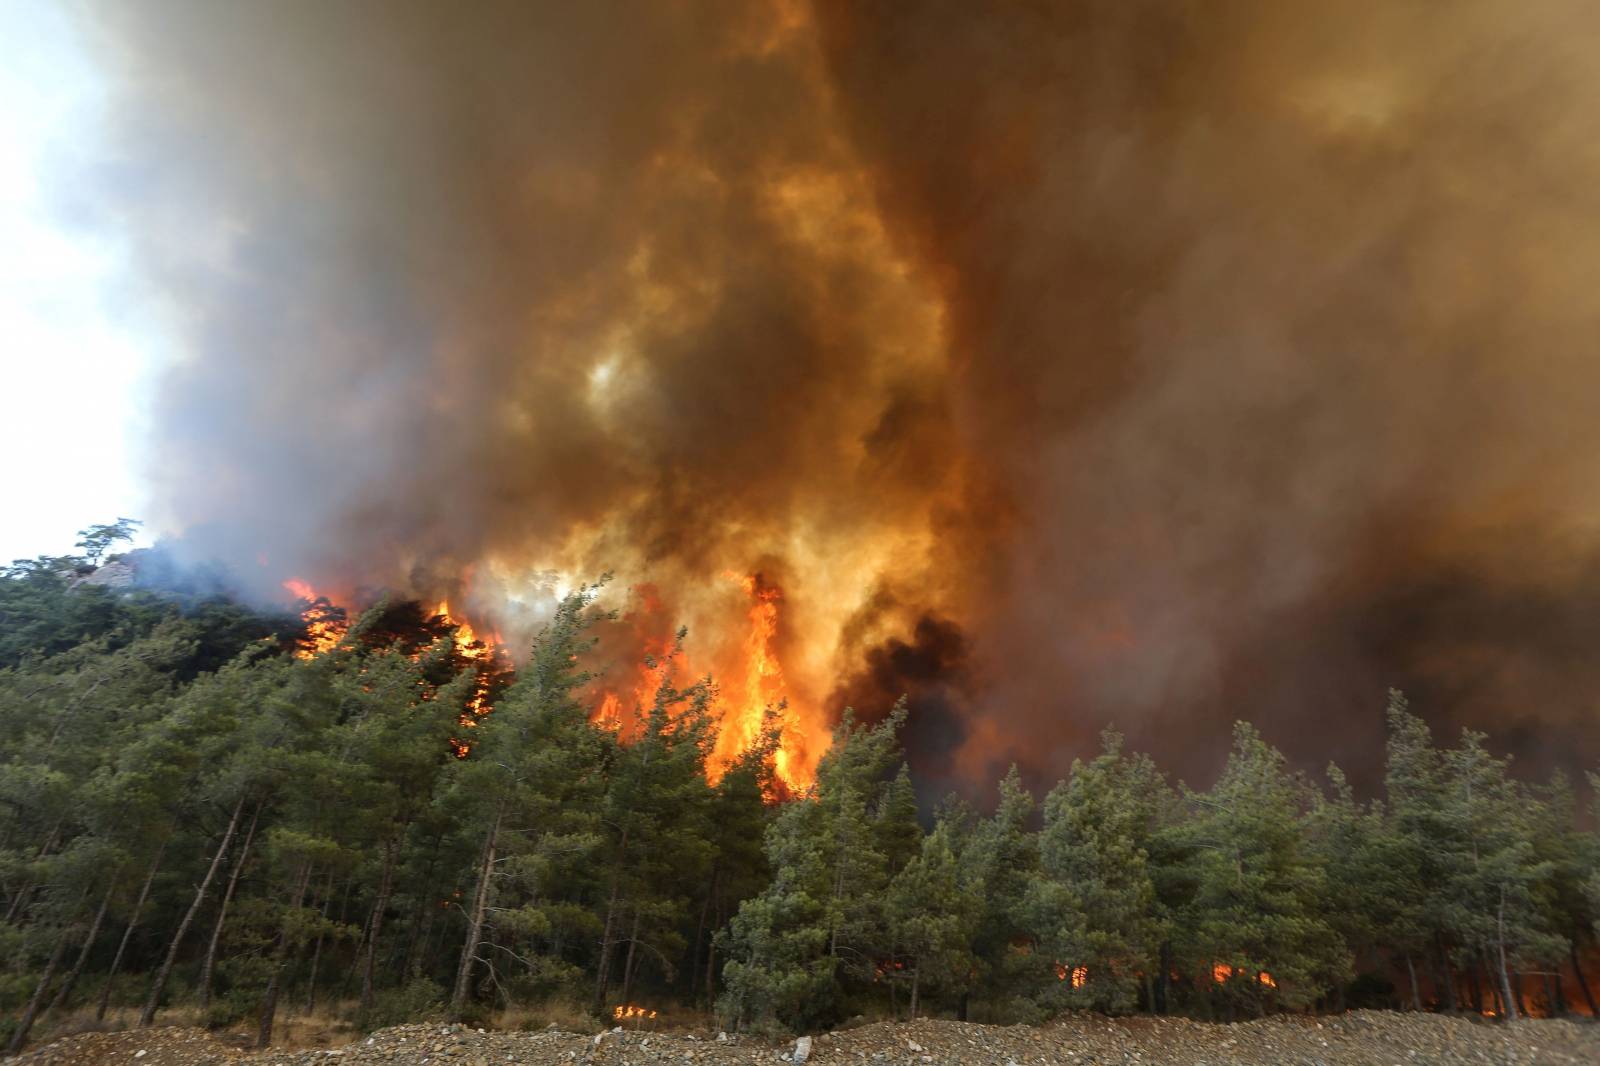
x=932, y=917
x=818, y=933
x=191, y=814
x=97, y=540
x=1092, y=909
x=418, y=1000
x=1258, y=903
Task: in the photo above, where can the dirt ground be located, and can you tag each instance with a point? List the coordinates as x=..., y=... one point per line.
x=1360, y=1038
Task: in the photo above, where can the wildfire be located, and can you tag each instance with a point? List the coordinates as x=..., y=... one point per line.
x=1221, y=973
x=762, y=685
x=1078, y=975
x=628, y=1011
x=325, y=623
x=749, y=672
x=482, y=654
x=326, y=626
x=750, y=682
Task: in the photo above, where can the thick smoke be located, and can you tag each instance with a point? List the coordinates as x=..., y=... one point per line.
x=1188, y=361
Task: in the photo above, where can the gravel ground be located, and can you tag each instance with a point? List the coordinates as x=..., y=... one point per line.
x=1362, y=1038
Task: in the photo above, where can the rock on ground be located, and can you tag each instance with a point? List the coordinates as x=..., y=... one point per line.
x=1361, y=1038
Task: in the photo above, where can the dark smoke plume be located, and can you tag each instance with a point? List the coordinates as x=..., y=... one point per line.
x=1192, y=361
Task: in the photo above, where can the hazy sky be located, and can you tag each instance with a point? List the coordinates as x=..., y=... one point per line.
x=75, y=374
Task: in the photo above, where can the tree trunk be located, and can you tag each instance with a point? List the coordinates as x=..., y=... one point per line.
x=627, y=965
x=148, y=1015
x=1416, y=990
x=422, y=920
x=316, y=952
x=480, y=906
x=376, y=926
x=603, y=978
x=1583, y=982
x=31, y=1011
x=208, y=967
x=916, y=982
x=25, y=890
x=424, y=936
x=88, y=944
x=1505, y=969
x=269, y=1001
x=711, y=966
x=699, y=937
x=127, y=934
x=1447, y=977
x=1517, y=996
x=1475, y=988
x=1164, y=978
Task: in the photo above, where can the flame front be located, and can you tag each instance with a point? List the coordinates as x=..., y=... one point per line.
x=325, y=624
x=760, y=685
x=749, y=672
x=750, y=682
x=629, y=1011
x=484, y=656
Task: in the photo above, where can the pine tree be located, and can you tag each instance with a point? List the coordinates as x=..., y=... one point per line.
x=1093, y=907
x=1255, y=926
x=1373, y=898
x=899, y=834
x=656, y=836
x=1421, y=851
x=532, y=784
x=999, y=862
x=1492, y=892
x=820, y=926
x=931, y=916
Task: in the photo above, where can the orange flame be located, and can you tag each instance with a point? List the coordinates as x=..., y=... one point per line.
x=483, y=654
x=760, y=686
x=750, y=681
x=1078, y=975
x=325, y=627
x=629, y=1011
x=1221, y=973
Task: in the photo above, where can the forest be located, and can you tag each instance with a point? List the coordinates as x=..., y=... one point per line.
x=203, y=810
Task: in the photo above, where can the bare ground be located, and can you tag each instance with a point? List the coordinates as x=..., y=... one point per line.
x=1361, y=1038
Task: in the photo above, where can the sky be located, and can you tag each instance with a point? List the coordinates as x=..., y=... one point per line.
x=76, y=369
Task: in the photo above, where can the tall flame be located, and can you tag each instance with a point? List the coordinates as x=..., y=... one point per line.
x=757, y=687
x=750, y=683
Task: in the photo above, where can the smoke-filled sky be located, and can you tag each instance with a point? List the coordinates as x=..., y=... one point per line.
x=1152, y=364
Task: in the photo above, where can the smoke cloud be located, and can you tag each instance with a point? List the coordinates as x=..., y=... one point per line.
x=1142, y=363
